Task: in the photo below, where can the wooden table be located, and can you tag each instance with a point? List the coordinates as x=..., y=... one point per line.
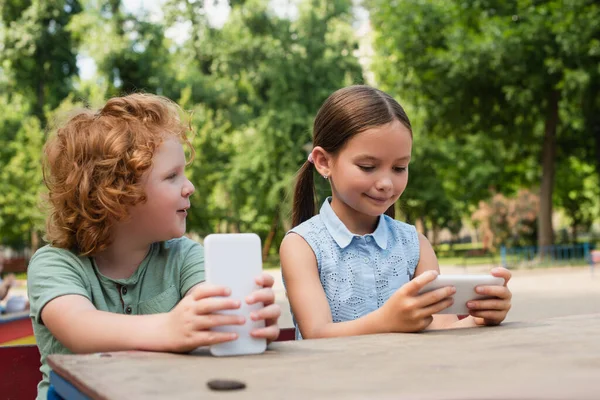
x=547, y=359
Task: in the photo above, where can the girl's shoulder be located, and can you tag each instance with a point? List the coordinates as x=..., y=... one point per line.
x=401, y=231
x=313, y=224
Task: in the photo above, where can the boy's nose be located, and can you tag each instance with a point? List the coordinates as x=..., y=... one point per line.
x=188, y=189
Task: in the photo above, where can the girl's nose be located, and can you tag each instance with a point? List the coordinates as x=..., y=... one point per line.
x=384, y=184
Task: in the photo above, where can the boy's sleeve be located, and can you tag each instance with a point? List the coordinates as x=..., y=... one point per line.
x=53, y=273
x=192, y=268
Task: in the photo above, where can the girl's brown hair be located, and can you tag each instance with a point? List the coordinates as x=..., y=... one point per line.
x=93, y=164
x=345, y=113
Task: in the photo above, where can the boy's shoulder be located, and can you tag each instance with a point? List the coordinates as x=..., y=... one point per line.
x=49, y=252
x=181, y=244
x=181, y=248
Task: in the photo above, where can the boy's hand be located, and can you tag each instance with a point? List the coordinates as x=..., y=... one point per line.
x=188, y=325
x=408, y=311
x=492, y=311
x=270, y=312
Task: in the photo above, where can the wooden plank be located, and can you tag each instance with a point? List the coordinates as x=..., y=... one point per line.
x=550, y=359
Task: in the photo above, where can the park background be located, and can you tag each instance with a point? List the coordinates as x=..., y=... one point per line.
x=503, y=97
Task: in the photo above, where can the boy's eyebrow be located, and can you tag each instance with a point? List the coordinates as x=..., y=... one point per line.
x=368, y=157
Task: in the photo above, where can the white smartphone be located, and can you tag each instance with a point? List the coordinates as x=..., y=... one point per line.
x=465, y=289
x=234, y=260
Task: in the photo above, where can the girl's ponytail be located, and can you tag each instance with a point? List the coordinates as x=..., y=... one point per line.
x=304, y=206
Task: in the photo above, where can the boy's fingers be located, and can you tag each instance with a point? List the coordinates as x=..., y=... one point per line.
x=272, y=312
x=214, y=320
x=214, y=304
x=207, y=338
x=265, y=280
x=413, y=287
x=265, y=295
x=206, y=290
x=270, y=332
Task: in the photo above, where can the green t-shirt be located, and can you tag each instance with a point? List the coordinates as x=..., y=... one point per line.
x=169, y=270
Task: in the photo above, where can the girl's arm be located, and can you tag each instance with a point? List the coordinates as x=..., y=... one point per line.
x=80, y=327
x=494, y=310
x=404, y=312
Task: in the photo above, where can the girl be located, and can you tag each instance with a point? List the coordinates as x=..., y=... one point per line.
x=352, y=269
x=118, y=273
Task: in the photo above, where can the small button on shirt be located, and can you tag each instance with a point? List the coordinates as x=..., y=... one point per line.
x=359, y=273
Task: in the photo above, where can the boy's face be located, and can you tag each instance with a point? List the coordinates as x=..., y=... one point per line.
x=163, y=215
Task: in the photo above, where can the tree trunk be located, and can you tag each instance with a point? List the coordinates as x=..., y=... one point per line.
x=271, y=235
x=35, y=241
x=545, y=230
x=419, y=225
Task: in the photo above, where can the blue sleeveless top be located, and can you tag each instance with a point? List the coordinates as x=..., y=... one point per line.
x=359, y=273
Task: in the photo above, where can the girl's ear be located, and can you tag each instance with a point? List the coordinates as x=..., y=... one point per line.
x=322, y=161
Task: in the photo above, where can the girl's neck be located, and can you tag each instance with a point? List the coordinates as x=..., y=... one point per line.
x=357, y=223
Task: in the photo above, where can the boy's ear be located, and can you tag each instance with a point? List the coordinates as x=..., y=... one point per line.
x=322, y=161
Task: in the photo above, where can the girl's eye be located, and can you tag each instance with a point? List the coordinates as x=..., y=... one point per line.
x=366, y=168
x=172, y=176
x=399, y=169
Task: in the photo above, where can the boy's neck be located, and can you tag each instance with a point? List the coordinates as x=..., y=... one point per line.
x=121, y=259
x=356, y=223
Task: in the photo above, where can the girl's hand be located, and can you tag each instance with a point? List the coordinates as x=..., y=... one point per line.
x=492, y=311
x=270, y=312
x=408, y=311
x=188, y=325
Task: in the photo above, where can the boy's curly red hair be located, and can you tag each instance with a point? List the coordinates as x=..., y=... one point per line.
x=94, y=163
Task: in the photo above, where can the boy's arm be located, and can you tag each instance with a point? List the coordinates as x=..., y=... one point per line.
x=80, y=327
x=307, y=297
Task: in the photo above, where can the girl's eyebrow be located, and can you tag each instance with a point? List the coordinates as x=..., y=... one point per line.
x=367, y=157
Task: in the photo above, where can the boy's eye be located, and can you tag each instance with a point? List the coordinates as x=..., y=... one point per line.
x=366, y=167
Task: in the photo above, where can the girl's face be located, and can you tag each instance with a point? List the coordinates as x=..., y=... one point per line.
x=370, y=172
x=163, y=215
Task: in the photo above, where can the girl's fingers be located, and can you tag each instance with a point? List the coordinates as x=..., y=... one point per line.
x=214, y=304
x=501, y=292
x=489, y=316
x=437, y=307
x=265, y=296
x=502, y=272
x=271, y=312
x=435, y=296
x=489, y=304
